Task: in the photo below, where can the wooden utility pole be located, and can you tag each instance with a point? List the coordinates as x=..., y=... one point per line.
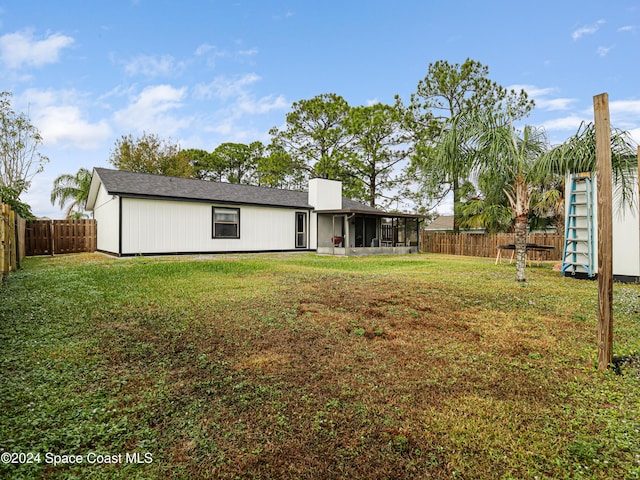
x=605, y=231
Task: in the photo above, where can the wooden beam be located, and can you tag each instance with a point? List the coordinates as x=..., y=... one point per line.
x=605, y=230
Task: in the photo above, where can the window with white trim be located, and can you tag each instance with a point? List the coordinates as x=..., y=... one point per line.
x=226, y=222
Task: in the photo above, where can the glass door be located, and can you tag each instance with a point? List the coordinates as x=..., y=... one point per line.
x=301, y=229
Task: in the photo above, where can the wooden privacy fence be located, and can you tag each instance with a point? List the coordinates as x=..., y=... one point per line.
x=49, y=237
x=486, y=245
x=11, y=240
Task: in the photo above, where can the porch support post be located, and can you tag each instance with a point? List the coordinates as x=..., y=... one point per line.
x=347, y=240
x=333, y=234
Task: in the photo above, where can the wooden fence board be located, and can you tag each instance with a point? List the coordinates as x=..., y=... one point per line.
x=486, y=245
x=50, y=237
x=9, y=240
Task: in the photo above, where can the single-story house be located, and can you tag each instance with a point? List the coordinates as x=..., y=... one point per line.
x=145, y=214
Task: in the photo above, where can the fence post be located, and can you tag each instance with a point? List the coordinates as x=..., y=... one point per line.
x=2, y=238
x=605, y=230
x=13, y=257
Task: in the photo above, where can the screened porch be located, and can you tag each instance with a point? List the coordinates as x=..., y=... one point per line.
x=348, y=232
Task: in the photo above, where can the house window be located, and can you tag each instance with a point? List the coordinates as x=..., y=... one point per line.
x=226, y=222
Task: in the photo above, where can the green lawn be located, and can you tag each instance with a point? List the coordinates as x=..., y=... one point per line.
x=308, y=367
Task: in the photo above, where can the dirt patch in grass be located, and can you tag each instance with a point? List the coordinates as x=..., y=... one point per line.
x=331, y=369
x=330, y=382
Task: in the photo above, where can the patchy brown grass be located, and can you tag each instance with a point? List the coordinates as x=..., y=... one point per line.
x=417, y=367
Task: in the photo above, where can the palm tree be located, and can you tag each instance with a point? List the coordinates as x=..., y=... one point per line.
x=504, y=152
x=73, y=189
x=525, y=157
x=578, y=154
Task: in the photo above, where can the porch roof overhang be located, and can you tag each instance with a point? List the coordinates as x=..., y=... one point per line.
x=369, y=213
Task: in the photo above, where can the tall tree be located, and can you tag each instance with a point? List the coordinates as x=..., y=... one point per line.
x=237, y=162
x=150, y=154
x=20, y=160
x=443, y=98
x=316, y=139
x=73, y=190
x=277, y=169
x=200, y=161
x=379, y=145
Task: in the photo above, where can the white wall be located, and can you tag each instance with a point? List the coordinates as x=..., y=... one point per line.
x=626, y=232
x=106, y=213
x=325, y=194
x=165, y=226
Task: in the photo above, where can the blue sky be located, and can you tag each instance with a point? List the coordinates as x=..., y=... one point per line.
x=206, y=72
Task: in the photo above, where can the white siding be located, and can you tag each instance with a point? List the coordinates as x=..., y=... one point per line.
x=164, y=226
x=626, y=232
x=106, y=213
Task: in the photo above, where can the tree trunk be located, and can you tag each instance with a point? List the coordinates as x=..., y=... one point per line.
x=456, y=201
x=521, y=248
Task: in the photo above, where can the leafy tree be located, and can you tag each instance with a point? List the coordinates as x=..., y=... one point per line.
x=74, y=190
x=200, y=161
x=20, y=160
x=11, y=196
x=277, y=169
x=316, y=139
x=237, y=162
x=486, y=206
x=150, y=154
x=443, y=98
x=379, y=145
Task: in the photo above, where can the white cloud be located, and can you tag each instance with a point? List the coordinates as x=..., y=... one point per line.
x=262, y=105
x=149, y=111
x=540, y=96
x=22, y=49
x=225, y=88
x=211, y=53
x=572, y=122
x=61, y=119
x=603, y=51
x=555, y=104
x=153, y=66
x=235, y=90
x=586, y=30
x=625, y=114
x=251, y=52
x=204, y=49
x=628, y=28
x=237, y=102
x=625, y=107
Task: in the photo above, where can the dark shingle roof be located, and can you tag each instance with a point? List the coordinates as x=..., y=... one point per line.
x=131, y=184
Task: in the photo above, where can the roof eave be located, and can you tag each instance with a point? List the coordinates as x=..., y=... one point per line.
x=373, y=213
